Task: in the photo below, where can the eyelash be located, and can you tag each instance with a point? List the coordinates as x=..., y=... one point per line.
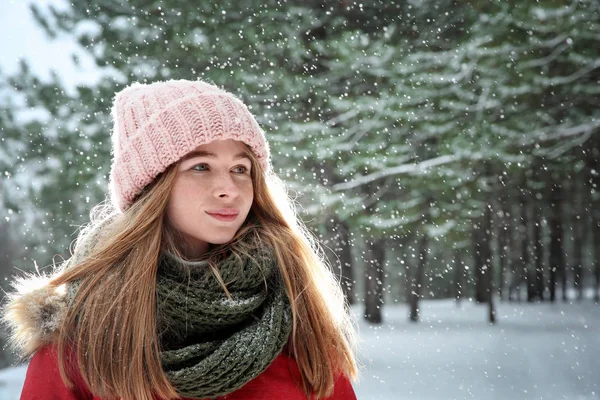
x=206, y=166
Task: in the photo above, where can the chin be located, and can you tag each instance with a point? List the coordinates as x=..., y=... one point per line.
x=221, y=240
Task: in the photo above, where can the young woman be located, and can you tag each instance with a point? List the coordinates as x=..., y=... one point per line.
x=196, y=280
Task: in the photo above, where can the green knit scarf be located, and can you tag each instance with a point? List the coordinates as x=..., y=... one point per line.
x=212, y=345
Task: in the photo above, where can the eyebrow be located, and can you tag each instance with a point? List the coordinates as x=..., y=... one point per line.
x=208, y=154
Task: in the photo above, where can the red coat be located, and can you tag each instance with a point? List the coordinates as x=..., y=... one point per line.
x=43, y=382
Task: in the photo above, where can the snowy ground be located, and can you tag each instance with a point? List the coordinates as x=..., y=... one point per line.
x=535, y=352
x=11, y=382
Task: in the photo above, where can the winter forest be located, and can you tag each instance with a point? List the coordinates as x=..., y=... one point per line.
x=445, y=153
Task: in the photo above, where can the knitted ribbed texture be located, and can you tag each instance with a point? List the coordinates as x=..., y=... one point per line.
x=211, y=345
x=156, y=124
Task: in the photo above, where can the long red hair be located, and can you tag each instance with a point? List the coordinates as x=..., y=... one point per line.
x=112, y=317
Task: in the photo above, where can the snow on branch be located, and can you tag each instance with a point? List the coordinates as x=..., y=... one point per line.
x=562, y=148
x=548, y=59
x=564, y=80
x=397, y=170
x=560, y=131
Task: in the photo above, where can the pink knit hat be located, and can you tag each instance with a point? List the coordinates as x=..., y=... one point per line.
x=157, y=124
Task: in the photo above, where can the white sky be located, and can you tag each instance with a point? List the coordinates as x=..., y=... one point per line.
x=21, y=37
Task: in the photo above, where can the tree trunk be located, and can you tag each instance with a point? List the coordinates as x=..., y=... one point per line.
x=512, y=257
x=503, y=232
x=593, y=166
x=577, y=227
x=536, y=284
x=482, y=256
x=343, y=260
x=521, y=270
x=535, y=277
x=596, y=238
x=519, y=240
x=486, y=253
x=374, y=280
x=595, y=231
x=491, y=306
x=419, y=279
x=477, y=262
x=402, y=280
x=458, y=277
x=556, y=261
x=408, y=277
x=503, y=248
x=8, y=255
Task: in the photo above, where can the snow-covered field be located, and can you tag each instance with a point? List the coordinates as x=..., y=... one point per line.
x=11, y=382
x=535, y=352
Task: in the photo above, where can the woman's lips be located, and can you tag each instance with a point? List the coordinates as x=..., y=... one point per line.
x=224, y=215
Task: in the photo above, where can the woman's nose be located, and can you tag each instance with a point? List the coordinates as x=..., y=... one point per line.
x=225, y=186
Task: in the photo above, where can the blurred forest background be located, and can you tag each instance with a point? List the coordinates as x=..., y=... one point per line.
x=438, y=148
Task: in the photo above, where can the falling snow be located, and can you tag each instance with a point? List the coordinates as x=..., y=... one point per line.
x=442, y=152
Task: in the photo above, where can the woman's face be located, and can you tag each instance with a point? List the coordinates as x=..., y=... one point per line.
x=212, y=195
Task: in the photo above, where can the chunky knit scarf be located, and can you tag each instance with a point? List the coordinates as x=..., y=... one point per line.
x=212, y=345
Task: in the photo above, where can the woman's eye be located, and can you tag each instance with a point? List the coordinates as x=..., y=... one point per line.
x=200, y=167
x=240, y=169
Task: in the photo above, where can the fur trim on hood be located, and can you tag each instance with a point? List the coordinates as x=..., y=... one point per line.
x=33, y=312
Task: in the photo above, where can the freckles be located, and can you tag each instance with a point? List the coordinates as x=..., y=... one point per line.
x=186, y=190
x=246, y=190
x=182, y=194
